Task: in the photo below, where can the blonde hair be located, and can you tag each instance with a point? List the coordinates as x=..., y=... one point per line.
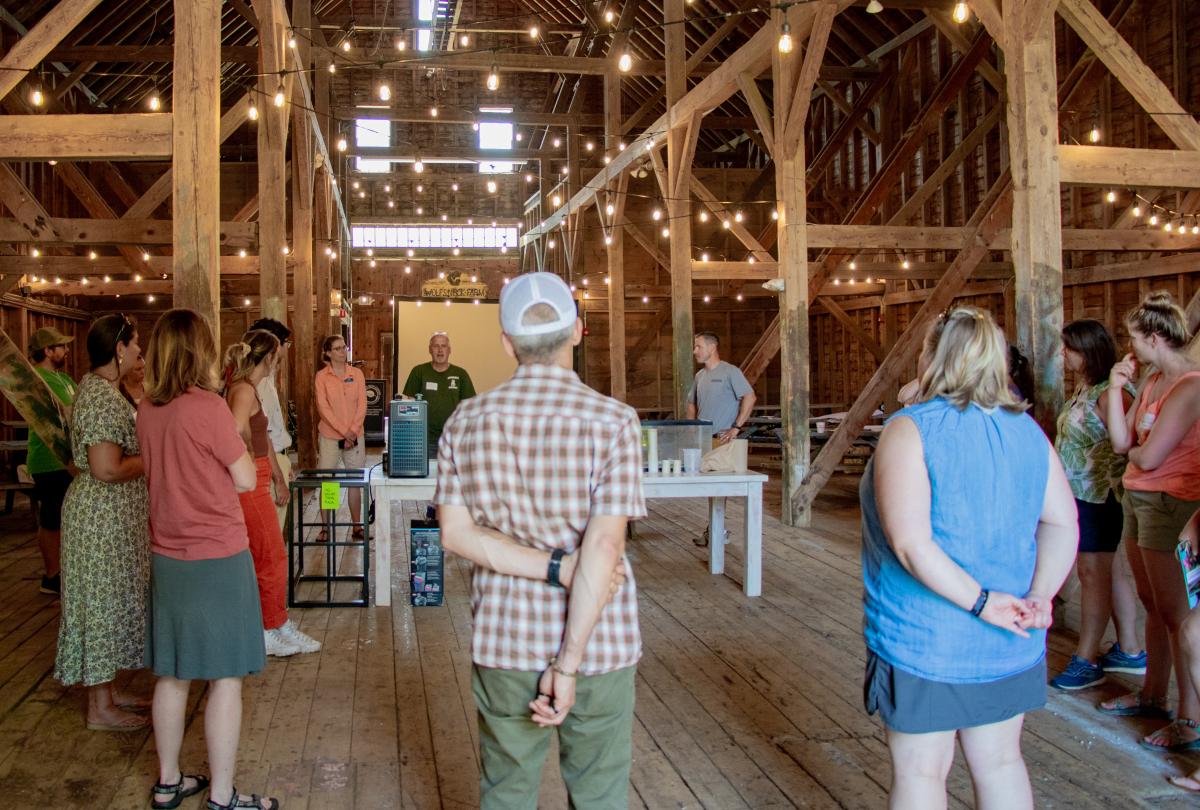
x=968, y=362
x=1158, y=314
x=181, y=354
x=243, y=357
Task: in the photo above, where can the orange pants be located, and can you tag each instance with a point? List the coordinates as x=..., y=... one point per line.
x=266, y=546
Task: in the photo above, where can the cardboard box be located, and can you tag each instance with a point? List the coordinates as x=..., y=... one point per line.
x=426, y=564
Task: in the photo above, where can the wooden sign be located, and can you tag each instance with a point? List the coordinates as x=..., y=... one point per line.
x=454, y=285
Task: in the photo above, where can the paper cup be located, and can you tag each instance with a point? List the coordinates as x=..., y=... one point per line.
x=691, y=460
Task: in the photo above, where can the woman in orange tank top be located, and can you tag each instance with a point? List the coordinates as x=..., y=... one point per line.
x=1161, y=436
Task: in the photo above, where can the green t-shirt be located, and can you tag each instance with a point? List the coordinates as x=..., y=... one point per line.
x=39, y=459
x=443, y=390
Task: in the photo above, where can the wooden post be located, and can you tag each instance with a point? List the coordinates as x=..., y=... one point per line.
x=794, y=79
x=1036, y=231
x=615, y=251
x=679, y=210
x=195, y=140
x=272, y=162
x=303, y=308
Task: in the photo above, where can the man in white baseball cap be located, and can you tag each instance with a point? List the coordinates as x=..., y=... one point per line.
x=536, y=481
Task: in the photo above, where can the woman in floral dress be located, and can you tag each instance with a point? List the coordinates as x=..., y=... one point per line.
x=106, y=536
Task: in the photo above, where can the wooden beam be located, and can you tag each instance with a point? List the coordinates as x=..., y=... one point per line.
x=1135, y=76
x=835, y=94
x=196, y=196
x=854, y=329
x=304, y=306
x=1036, y=239
x=127, y=136
x=115, y=266
x=721, y=212
x=120, y=232
x=681, y=145
x=988, y=12
x=853, y=120
x=142, y=54
x=18, y=199
x=758, y=108
x=453, y=154
x=272, y=142
x=96, y=204
x=994, y=213
x=32, y=48
x=452, y=115
x=814, y=54
x=952, y=31
x=1119, y=167
x=615, y=253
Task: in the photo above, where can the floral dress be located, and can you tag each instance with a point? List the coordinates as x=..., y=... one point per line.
x=1092, y=467
x=105, y=549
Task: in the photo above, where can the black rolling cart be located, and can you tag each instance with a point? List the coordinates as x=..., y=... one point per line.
x=328, y=486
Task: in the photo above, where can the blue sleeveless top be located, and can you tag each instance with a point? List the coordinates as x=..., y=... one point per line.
x=987, y=472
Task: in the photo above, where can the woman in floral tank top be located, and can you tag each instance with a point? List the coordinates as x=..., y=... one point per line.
x=1094, y=471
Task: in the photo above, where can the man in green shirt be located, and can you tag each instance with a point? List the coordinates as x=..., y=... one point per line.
x=48, y=351
x=440, y=384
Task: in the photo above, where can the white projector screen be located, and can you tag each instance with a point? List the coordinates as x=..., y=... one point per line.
x=474, y=332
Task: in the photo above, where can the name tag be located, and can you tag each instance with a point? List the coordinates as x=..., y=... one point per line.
x=431, y=386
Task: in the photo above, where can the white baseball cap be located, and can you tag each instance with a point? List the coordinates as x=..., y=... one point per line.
x=528, y=290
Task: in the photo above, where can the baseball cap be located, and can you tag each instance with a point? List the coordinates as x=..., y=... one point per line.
x=528, y=290
x=48, y=336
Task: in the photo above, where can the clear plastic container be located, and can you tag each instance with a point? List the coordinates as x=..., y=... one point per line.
x=676, y=435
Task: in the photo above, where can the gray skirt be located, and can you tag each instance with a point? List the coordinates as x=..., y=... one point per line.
x=911, y=704
x=205, y=619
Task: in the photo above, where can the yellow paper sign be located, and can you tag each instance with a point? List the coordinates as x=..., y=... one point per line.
x=331, y=494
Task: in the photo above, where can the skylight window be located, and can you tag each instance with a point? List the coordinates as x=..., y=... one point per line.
x=372, y=132
x=436, y=236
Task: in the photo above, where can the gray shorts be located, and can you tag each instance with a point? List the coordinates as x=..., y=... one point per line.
x=911, y=704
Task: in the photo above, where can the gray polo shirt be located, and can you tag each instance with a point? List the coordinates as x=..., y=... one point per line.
x=718, y=393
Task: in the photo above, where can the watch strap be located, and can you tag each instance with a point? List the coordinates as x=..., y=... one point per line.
x=555, y=566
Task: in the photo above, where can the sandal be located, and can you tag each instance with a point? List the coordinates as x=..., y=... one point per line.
x=178, y=791
x=1176, y=739
x=1134, y=705
x=357, y=534
x=1185, y=783
x=135, y=722
x=236, y=801
x=322, y=536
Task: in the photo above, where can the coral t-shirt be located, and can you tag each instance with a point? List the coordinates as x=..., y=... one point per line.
x=187, y=447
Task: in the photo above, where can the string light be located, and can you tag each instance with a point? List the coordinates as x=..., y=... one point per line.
x=433, y=111
x=625, y=62
x=533, y=31
x=92, y=255
x=35, y=253
x=557, y=142
x=491, y=186
x=332, y=67
x=589, y=146
x=418, y=166
x=464, y=40
x=341, y=143
x=550, y=244
x=1111, y=196
x=704, y=216
x=609, y=16
x=962, y=13
x=242, y=253
x=1137, y=212
x=707, y=299
x=775, y=213
x=906, y=264
x=703, y=257
x=493, y=80
x=656, y=214
x=454, y=186
x=1094, y=135
x=1153, y=219
x=36, y=97
x=280, y=95
x=145, y=256
x=346, y=45
x=666, y=232
x=385, y=92
x=154, y=102
x=610, y=209
x=556, y=200
x=252, y=113
x=853, y=265
x=785, y=39
x=737, y=217
x=420, y=188
x=292, y=39
x=401, y=44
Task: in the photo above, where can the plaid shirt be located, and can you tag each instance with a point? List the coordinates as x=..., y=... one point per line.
x=535, y=459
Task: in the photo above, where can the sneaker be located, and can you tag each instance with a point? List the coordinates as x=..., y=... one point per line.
x=304, y=642
x=51, y=585
x=1079, y=674
x=278, y=644
x=1117, y=660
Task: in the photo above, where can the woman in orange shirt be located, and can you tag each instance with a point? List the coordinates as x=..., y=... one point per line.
x=342, y=406
x=1161, y=436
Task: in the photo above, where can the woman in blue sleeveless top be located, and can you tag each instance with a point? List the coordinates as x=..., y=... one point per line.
x=969, y=529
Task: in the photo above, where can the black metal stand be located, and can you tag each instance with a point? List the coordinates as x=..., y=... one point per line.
x=339, y=534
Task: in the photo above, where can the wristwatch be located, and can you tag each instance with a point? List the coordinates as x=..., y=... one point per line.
x=553, y=569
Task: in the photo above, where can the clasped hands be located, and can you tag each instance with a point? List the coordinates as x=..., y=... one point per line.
x=1016, y=614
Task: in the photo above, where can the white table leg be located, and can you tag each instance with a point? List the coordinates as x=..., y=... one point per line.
x=716, y=535
x=752, y=585
x=383, y=546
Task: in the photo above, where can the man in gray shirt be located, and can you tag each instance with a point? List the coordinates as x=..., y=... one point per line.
x=720, y=392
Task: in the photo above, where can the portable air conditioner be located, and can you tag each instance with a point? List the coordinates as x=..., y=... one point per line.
x=407, y=441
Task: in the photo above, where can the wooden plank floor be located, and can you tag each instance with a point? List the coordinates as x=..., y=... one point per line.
x=741, y=703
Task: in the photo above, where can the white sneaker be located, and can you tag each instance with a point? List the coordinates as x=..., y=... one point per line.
x=278, y=644
x=304, y=642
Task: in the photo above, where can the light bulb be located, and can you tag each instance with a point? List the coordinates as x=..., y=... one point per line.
x=704, y=216
x=645, y=299
x=145, y=256
x=280, y=95
x=785, y=39
x=35, y=253
x=292, y=40
x=703, y=257
x=739, y=296
x=433, y=111
x=454, y=186
x=371, y=263
x=904, y=265
x=750, y=260
x=609, y=16
x=37, y=99
x=1111, y=196
x=656, y=214
x=491, y=186
x=610, y=209
x=464, y=40
x=726, y=224
x=1094, y=135
x=407, y=270
x=504, y=248
x=853, y=265
x=550, y=244
x=420, y=188
x=625, y=62
x=444, y=217
x=242, y=253
x=92, y=255
x=1195, y=229
x=1137, y=212
x=150, y=298
x=332, y=67
x=341, y=144
x=285, y=250
x=154, y=102
x=252, y=113
x=420, y=210
x=418, y=166
x=346, y=45
x=246, y=302
x=962, y=12
x=874, y=7
x=737, y=217
x=608, y=240
x=1154, y=219
x=528, y=178
x=1167, y=227
x=589, y=146
x=533, y=31
x=107, y=279
x=707, y=299
x=385, y=93
x=556, y=200
x=493, y=80
x=401, y=44
x=666, y=232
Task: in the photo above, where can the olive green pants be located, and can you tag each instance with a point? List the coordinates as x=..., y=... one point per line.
x=595, y=741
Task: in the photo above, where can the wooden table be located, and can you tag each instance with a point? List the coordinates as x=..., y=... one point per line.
x=717, y=487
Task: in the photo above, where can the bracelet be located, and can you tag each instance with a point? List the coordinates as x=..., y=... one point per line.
x=980, y=603
x=553, y=569
x=559, y=670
